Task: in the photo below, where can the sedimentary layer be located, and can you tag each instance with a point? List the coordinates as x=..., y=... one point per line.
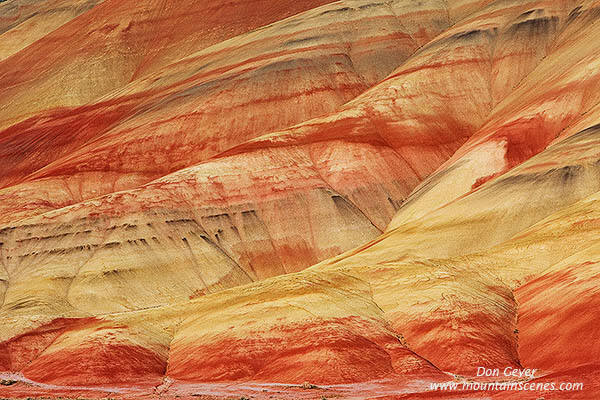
x=365, y=210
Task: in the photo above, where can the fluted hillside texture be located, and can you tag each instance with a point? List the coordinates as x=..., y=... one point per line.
x=300, y=199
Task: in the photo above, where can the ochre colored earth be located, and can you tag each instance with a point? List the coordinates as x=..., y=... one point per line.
x=307, y=199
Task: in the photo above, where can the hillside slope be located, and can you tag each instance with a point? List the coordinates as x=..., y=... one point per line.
x=357, y=201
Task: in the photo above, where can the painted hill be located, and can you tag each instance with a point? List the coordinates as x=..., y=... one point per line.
x=305, y=200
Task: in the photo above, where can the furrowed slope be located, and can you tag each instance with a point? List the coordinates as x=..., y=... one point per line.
x=206, y=103
x=111, y=163
x=560, y=183
x=529, y=119
x=227, y=220
x=106, y=47
x=489, y=308
x=491, y=262
x=407, y=308
x=22, y=22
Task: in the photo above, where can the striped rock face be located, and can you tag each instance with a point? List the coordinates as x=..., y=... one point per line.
x=23, y=22
x=299, y=199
